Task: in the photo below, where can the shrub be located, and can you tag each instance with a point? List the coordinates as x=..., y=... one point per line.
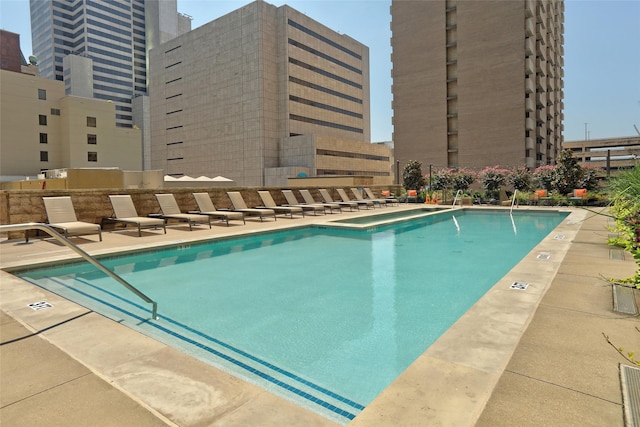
x=544, y=176
x=492, y=179
x=462, y=179
x=520, y=178
x=589, y=179
x=568, y=173
x=412, y=175
x=442, y=179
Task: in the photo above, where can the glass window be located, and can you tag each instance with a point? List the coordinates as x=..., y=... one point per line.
x=92, y=156
x=55, y=111
x=92, y=139
x=42, y=94
x=91, y=122
x=42, y=119
x=44, y=138
x=44, y=156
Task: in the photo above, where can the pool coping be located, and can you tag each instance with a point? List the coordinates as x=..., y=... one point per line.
x=457, y=384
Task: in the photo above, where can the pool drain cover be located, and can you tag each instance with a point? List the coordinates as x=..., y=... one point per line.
x=520, y=286
x=544, y=255
x=41, y=305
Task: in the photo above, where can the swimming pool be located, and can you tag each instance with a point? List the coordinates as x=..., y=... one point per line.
x=324, y=317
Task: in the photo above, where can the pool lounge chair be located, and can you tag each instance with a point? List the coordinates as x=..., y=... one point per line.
x=206, y=207
x=313, y=207
x=327, y=198
x=308, y=198
x=541, y=196
x=343, y=195
x=376, y=202
x=124, y=211
x=269, y=203
x=387, y=198
x=170, y=210
x=62, y=216
x=578, y=196
x=240, y=206
x=412, y=195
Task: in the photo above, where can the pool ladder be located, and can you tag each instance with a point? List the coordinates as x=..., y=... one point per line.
x=60, y=238
x=455, y=199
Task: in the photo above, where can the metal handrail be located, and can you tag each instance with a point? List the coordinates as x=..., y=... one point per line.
x=455, y=199
x=513, y=200
x=60, y=238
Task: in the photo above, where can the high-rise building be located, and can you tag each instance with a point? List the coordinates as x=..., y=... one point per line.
x=260, y=94
x=477, y=83
x=114, y=38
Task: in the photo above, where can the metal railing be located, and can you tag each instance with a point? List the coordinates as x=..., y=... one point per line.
x=513, y=200
x=60, y=238
x=455, y=199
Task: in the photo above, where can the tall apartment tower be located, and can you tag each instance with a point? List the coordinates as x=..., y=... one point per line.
x=478, y=83
x=253, y=91
x=111, y=39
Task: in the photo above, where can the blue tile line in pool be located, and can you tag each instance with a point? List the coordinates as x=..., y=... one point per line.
x=318, y=401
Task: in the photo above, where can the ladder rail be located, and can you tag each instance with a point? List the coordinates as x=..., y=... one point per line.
x=455, y=199
x=60, y=238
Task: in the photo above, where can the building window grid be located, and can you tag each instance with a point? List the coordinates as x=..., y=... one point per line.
x=42, y=94
x=91, y=122
x=42, y=120
x=92, y=156
x=44, y=138
x=92, y=139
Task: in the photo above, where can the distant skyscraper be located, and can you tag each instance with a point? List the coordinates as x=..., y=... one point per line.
x=115, y=35
x=477, y=83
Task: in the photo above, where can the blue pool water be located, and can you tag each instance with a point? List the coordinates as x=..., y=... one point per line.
x=325, y=317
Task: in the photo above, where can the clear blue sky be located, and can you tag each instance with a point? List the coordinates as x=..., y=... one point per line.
x=602, y=55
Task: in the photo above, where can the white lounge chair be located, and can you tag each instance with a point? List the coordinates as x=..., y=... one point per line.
x=269, y=203
x=62, y=216
x=240, y=206
x=308, y=198
x=343, y=195
x=327, y=198
x=124, y=211
x=206, y=207
x=170, y=210
x=376, y=202
x=292, y=201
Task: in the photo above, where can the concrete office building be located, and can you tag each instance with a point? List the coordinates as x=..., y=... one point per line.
x=109, y=38
x=41, y=128
x=257, y=95
x=477, y=83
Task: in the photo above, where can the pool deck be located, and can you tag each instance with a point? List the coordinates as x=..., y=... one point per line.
x=517, y=357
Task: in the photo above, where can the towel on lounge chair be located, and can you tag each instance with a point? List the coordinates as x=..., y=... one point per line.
x=62, y=216
x=124, y=211
x=170, y=210
x=240, y=206
x=206, y=207
x=268, y=201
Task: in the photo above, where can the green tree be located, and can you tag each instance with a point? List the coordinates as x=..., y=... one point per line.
x=568, y=173
x=412, y=175
x=492, y=179
x=462, y=179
